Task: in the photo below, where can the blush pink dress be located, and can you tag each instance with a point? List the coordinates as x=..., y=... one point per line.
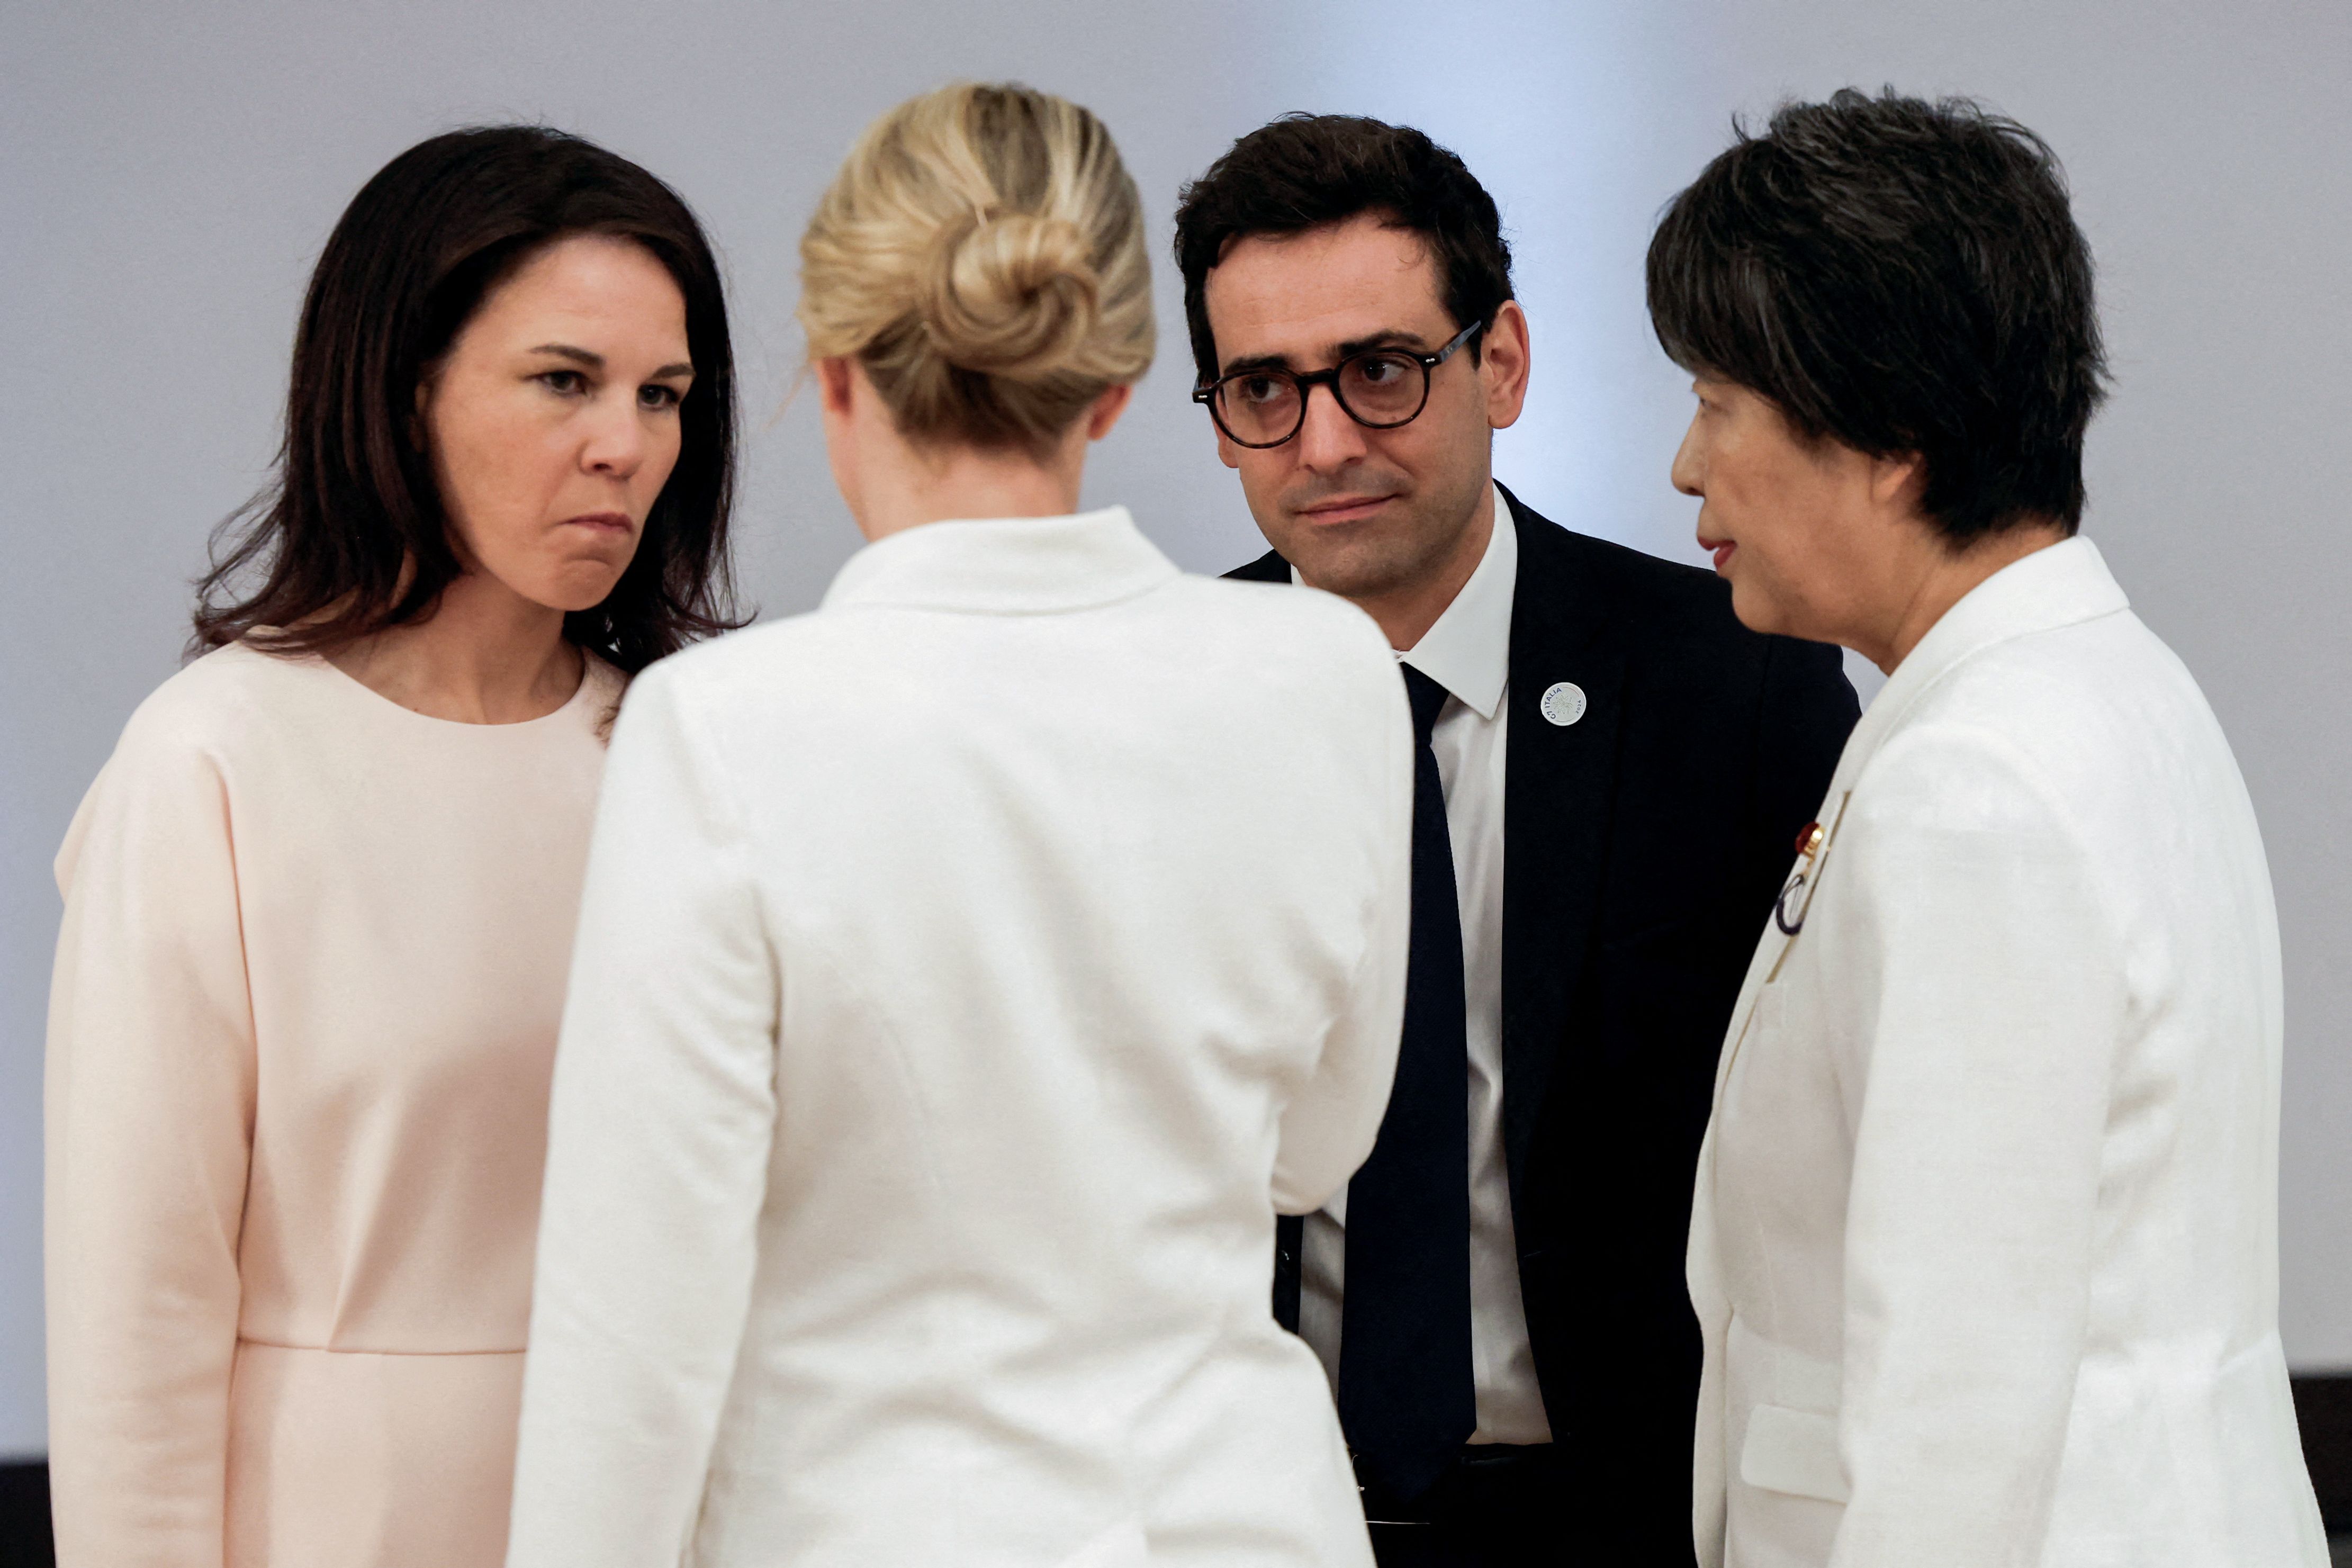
x=301, y=1036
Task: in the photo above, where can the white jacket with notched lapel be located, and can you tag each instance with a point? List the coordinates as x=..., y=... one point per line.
x=1984, y=1247
x=966, y=974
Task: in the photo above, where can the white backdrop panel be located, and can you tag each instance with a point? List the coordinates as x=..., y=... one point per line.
x=169, y=174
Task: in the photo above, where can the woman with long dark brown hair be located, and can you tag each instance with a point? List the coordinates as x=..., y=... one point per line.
x=319, y=903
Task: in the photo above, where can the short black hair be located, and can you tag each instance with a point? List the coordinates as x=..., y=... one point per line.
x=1901, y=276
x=1304, y=170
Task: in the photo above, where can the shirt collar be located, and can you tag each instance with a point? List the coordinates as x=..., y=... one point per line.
x=2063, y=586
x=1467, y=650
x=1005, y=566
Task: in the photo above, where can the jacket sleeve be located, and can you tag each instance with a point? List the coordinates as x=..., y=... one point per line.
x=1329, y=1126
x=1994, y=994
x=661, y=1118
x=148, y=1104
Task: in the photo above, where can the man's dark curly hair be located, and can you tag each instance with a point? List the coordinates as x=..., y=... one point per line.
x=1900, y=276
x=1304, y=170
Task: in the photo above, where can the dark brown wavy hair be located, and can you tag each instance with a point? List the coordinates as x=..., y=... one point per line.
x=352, y=536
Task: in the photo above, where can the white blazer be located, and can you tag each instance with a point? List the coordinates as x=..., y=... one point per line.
x=1985, y=1243
x=967, y=973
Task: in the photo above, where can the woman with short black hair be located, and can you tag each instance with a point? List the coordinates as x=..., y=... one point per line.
x=1985, y=1243
x=320, y=902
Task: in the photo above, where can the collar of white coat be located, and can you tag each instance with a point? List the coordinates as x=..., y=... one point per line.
x=2062, y=585
x=1468, y=650
x=1005, y=566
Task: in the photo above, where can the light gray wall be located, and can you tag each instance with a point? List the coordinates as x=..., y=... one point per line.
x=169, y=174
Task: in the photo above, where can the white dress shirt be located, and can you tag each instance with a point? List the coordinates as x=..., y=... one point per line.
x=967, y=973
x=1985, y=1243
x=1468, y=652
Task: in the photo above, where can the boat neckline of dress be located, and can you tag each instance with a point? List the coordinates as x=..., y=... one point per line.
x=580, y=693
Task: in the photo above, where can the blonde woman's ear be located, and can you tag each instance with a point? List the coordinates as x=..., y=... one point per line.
x=1106, y=411
x=832, y=384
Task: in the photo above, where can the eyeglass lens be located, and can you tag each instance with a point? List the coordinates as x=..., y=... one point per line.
x=1377, y=388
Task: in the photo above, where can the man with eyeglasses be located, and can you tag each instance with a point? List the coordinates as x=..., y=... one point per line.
x=1613, y=773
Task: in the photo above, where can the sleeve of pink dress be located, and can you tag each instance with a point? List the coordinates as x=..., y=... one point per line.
x=149, y=1113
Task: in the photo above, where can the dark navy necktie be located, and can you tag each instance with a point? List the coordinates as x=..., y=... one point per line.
x=1406, y=1396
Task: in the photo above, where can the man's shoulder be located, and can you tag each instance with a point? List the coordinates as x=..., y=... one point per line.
x=1627, y=596
x=1547, y=550
x=1673, y=622
x=1628, y=584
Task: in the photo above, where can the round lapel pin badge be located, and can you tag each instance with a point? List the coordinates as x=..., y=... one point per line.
x=1563, y=703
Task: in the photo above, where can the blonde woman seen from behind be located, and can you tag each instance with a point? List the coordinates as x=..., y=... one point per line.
x=962, y=984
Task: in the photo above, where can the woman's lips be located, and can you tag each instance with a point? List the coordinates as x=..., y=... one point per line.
x=1721, y=549
x=602, y=522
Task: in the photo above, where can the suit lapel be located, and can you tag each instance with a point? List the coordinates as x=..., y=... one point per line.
x=1269, y=567
x=1556, y=787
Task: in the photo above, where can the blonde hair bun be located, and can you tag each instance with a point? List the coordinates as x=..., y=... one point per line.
x=981, y=255
x=1015, y=296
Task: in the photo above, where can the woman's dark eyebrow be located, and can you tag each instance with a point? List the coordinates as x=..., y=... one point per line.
x=597, y=360
x=1392, y=338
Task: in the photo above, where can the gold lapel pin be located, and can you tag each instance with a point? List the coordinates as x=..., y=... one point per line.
x=1811, y=839
x=1809, y=843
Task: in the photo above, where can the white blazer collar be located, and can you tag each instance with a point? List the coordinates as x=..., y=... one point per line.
x=2063, y=586
x=1005, y=566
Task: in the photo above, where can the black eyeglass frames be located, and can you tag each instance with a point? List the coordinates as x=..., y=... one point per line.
x=1378, y=388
